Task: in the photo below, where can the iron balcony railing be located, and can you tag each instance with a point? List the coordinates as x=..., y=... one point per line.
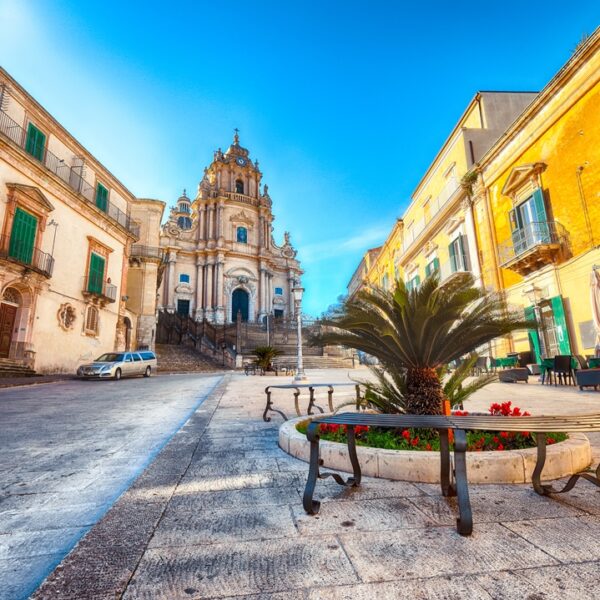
x=96, y=286
x=69, y=175
x=141, y=251
x=25, y=254
x=532, y=235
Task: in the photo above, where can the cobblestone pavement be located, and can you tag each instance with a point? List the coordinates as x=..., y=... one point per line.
x=67, y=451
x=218, y=514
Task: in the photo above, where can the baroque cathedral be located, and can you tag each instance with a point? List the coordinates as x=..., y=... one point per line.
x=221, y=258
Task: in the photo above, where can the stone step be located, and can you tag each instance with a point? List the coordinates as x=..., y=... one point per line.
x=183, y=359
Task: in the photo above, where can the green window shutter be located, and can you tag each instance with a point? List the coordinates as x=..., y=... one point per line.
x=428, y=269
x=417, y=282
x=560, y=321
x=452, y=253
x=36, y=142
x=542, y=232
x=101, y=197
x=436, y=264
x=540, y=206
x=96, y=274
x=464, y=246
x=22, y=236
x=534, y=338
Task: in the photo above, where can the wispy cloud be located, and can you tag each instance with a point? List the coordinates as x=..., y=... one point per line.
x=359, y=241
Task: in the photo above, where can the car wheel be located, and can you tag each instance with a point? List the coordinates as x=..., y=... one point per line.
x=147, y=372
x=117, y=374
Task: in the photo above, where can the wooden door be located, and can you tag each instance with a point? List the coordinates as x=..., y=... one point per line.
x=7, y=323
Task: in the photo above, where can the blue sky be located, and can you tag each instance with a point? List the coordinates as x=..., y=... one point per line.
x=344, y=103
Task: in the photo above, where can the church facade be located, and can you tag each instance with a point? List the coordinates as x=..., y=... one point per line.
x=221, y=258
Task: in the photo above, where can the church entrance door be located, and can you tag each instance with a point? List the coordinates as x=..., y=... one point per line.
x=239, y=302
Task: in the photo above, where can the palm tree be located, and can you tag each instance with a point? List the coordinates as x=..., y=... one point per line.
x=416, y=333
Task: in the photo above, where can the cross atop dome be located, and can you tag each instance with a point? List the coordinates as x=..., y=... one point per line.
x=236, y=137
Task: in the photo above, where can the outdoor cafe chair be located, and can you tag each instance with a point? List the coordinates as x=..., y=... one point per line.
x=563, y=369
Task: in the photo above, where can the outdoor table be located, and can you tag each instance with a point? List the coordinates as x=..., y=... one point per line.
x=507, y=361
x=547, y=364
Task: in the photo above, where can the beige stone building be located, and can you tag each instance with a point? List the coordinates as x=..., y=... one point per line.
x=68, y=226
x=220, y=253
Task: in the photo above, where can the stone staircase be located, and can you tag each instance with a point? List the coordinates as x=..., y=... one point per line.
x=183, y=359
x=12, y=368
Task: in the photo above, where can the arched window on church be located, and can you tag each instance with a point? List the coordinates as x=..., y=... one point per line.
x=242, y=235
x=184, y=222
x=239, y=186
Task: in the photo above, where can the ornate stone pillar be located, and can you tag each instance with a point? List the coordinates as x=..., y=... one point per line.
x=219, y=304
x=209, y=310
x=471, y=239
x=170, y=283
x=261, y=231
x=200, y=222
x=221, y=221
x=209, y=222
x=199, y=288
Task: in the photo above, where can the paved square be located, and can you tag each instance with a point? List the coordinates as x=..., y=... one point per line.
x=218, y=514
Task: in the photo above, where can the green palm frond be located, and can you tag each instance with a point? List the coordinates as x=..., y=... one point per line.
x=421, y=328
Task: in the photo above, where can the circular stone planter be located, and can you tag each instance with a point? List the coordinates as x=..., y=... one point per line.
x=508, y=466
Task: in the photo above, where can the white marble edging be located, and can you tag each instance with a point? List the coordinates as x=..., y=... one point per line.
x=510, y=466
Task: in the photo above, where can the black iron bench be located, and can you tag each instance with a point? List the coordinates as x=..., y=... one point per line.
x=458, y=484
x=312, y=387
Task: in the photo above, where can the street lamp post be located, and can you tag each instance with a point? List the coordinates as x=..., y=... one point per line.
x=297, y=291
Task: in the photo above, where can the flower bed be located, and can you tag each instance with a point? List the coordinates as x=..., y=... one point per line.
x=427, y=439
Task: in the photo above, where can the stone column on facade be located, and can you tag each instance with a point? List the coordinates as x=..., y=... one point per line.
x=199, y=224
x=170, y=283
x=269, y=303
x=209, y=222
x=261, y=230
x=219, y=304
x=221, y=222
x=209, y=308
x=261, y=292
x=199, y=288
x=472, y=239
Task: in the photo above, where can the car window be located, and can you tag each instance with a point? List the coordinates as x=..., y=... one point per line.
x=136, y=357
x=147, y=355
x=110, y=357
x=128, y=358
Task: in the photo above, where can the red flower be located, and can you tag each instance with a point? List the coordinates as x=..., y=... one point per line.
x=526, y=414
x=551, y=440
x=406, y=434
x=415, y=441
x=496, y=439
x=503, y=434
x=525, y=433
x=428, y=447
x=500, y=447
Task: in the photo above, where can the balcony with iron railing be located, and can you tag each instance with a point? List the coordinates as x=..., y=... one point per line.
x=67, y=174
x=531, y=247
x=25, y=254
x=99, y=289
x=152, y=252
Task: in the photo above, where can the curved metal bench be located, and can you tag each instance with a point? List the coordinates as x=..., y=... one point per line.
x=539, y=426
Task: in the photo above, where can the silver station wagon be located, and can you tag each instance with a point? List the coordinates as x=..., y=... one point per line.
x=114, y=365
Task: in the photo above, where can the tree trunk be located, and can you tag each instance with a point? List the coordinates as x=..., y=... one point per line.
x=424, y=393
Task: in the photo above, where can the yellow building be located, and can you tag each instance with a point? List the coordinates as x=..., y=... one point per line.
x=359, y=277
x=537, y=209
x=436, y=232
